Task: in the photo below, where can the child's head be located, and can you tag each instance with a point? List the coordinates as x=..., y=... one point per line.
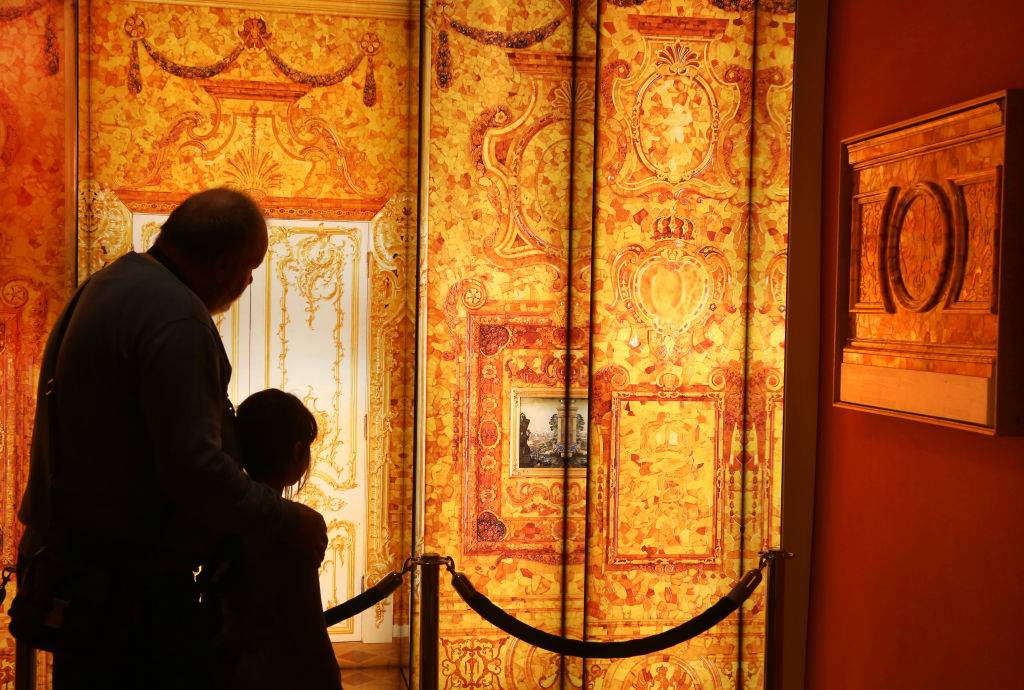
x=275, y=431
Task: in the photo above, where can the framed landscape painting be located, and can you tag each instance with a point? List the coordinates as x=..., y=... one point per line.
x=548, y=432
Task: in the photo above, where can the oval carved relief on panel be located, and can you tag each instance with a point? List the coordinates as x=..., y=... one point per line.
x=919, y=247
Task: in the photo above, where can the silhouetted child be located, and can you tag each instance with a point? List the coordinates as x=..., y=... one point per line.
x=271, y=632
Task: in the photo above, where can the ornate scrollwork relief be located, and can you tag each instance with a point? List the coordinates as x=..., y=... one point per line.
x=680, y=100
x=472, y=662
x=775, y=288
x=339, y=565
x=316, y=265
x=467, y=294
x=390, y=312
x=667, y=113
x=250, y=139
x=525, y=167
x=104, y=227
x=313, y=270
x=527, y=666
x=667, y=671
x=391, y=231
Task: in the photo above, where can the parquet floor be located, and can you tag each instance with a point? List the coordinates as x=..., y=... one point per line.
x=370, y=666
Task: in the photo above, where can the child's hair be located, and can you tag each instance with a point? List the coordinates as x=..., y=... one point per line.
x=272, y=424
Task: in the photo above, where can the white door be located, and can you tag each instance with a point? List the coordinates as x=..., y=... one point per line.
x=303, y=327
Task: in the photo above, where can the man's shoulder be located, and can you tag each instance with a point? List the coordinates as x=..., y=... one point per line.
x=148, y=290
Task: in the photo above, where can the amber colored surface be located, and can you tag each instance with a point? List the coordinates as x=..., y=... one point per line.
x=496, y=252
x=926, y=227
x=688, y=283
x=34, y=271
x=688, y=279
x=696, y=371
x=915, y=562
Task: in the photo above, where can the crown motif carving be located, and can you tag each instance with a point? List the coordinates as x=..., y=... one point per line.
x=672, y=226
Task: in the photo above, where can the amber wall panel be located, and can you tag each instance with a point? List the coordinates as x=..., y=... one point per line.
x=687, y=285
x=668, y=337
x=497, y=252
x=688, y=330
x=34, y=271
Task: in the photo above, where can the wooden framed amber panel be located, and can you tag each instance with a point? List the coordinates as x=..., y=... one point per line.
x=930, y=314
x=667, y=479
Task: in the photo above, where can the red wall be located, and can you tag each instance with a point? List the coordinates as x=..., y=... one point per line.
x=918, y=561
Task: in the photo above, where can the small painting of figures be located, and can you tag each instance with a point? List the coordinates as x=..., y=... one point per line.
x=548, y=432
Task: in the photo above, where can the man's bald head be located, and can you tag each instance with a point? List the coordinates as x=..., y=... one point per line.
x=214, y=223
x=216, y=239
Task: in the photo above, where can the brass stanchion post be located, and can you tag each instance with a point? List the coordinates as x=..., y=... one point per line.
x=776, y=562
x=430, y=567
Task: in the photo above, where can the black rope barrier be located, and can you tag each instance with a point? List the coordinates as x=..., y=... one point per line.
x=590, y=649
x=359, y=603
x=700, y=623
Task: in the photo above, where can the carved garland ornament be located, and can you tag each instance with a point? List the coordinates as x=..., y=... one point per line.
x=442, y=20
x=252, y=36
x=50, y=48
x=774, y=6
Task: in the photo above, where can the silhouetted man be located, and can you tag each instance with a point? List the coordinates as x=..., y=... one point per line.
x=145, y=484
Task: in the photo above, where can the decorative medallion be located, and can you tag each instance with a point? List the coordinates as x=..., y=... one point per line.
x=671, y=289
x=919, y=246
x=667, y=112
